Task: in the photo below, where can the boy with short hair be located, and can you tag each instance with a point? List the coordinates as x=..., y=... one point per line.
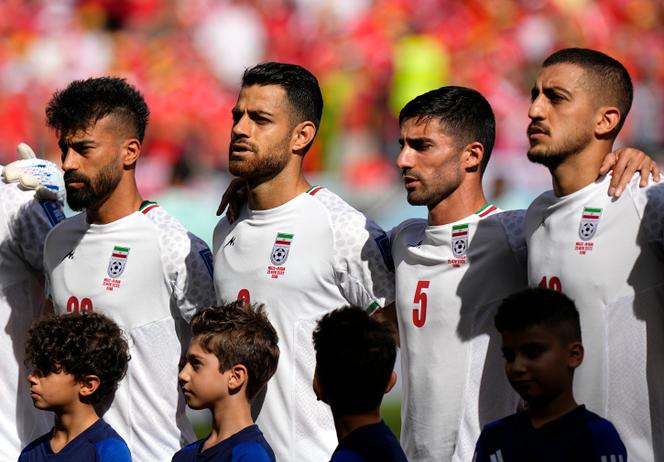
x=77, y=360
x=542, y=347
x=355, y=356
x=233, y=353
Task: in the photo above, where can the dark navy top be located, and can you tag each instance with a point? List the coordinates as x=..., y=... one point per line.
x=247, y=445
x=98, y=443
x=370, y=443
x=579, y=435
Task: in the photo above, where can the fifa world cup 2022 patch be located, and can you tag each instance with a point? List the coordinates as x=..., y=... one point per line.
x=459, y=245
x=279, y=255
x=587, y=229
x=116, y=267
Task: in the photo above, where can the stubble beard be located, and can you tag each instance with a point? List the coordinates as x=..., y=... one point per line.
x=95, y=193
x=556, y=154
x=432, y=196
x=259, y=167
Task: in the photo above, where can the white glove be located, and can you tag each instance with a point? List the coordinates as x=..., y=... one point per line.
x=41, y=175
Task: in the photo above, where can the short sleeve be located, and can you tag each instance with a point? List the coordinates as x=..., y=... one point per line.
x=650, y=206
x=113, y=450
x=513, y=222
x=607, y=444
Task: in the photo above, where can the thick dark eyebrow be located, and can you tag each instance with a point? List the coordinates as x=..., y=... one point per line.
x=558, y=90
x=418, y=141
x=252, y=112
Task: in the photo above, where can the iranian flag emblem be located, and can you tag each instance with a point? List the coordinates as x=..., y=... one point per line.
x=459, y=240
x=589, y=222
x=281, y=248
x=116, y=265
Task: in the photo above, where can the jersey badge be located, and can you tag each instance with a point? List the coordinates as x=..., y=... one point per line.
x=587, y=229
x=459, y=245
x=279, y=255
x=116, y=266
x=383, y=243
x=53, y=211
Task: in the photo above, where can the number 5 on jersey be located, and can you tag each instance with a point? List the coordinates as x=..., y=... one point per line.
x=420, y=301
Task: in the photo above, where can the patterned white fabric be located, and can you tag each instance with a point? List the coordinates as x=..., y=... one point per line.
x=150, y=275
x=302, y=260
x=606, y=255
x=452, y=368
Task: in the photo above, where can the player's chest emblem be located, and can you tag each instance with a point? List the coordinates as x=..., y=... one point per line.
x=116, y=266
x=587, y=229
x=279, y=254
x=459, y=244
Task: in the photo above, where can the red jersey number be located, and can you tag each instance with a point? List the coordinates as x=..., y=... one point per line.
x=420, y=301
x=552, y=283
x=74, y=306
x=243, y=294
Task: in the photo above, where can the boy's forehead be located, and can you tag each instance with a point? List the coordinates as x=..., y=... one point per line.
x=536, y=333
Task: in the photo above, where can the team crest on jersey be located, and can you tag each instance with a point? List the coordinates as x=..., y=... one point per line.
x=589, y=222
x=459, y=240
x=116, y=265
x=281, y=248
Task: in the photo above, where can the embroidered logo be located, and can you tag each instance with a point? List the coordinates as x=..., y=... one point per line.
x=589, y=222
x=281, y=248
x=118, y=261
x=459, y=240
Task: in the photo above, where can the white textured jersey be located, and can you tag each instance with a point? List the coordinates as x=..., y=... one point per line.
x=150, y=275
x=450, y=280
x=24, y=223
x=607, y=256
x=302, y=259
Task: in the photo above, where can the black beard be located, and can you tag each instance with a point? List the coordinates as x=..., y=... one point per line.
x=91, y=196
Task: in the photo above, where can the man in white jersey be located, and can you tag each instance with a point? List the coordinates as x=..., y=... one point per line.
x=298, y=248
x=25, y=219
x=605, y=254
x=127, y=258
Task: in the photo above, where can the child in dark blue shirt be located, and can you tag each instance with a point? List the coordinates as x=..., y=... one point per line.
x=232, y=355
x=78, y=360
x=542, y=347
x=355, y=357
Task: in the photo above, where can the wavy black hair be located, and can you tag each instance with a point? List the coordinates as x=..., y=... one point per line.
x=84, y=102
x=79, y=344
x=239, y=333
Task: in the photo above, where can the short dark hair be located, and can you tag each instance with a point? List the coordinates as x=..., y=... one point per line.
x=461, y=111
x=301, y=87
x=85, y=102
x=239, y=333
x=350, y=343
x=608, y=79
x=543, y=307
x=79, y=344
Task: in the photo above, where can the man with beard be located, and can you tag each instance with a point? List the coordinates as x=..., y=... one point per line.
x=605, y=254
x=126, y=258
x=26, y=217
x=297, y=248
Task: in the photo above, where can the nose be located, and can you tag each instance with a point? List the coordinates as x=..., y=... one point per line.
x=405, y=158
x=69, y=160
x=517, y=367
x=183, y=376
x=241, y=126
x=536, y=109
x=32, y=378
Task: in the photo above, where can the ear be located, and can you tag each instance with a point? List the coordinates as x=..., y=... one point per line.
x=303, y=135
x=391, y=383
x=317, y=387
x=608, y=119
x=131, y=152
x=575, y=355
x=472, y=156
x=238, y=378
x=89, y=385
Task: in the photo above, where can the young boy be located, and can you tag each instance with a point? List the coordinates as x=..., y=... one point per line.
x=77, y=360
x=355, y=357
x=542, y=347
x=232, y=355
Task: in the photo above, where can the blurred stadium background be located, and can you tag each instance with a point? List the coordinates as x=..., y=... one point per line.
x=370, y=57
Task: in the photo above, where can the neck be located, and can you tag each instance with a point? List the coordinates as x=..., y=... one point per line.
x=228, y=418
x=464, y=201
x=71, y=423
x=124, y=200
x=286, y=185
x=345, y=424
x=579, y=169
x=543, y=413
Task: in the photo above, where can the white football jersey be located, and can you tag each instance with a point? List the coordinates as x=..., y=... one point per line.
x=24, y=223
x=150, y=275
x=450, y=280
x=606, y=255
x=302, y=259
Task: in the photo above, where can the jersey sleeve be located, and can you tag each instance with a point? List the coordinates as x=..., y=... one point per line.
x=250, y=452
x=363, y=263
x=650, y=206
x=113, y=450
x=607, y=444
x=513, y=222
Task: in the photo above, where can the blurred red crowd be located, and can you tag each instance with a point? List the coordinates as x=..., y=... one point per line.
x=371, y=57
